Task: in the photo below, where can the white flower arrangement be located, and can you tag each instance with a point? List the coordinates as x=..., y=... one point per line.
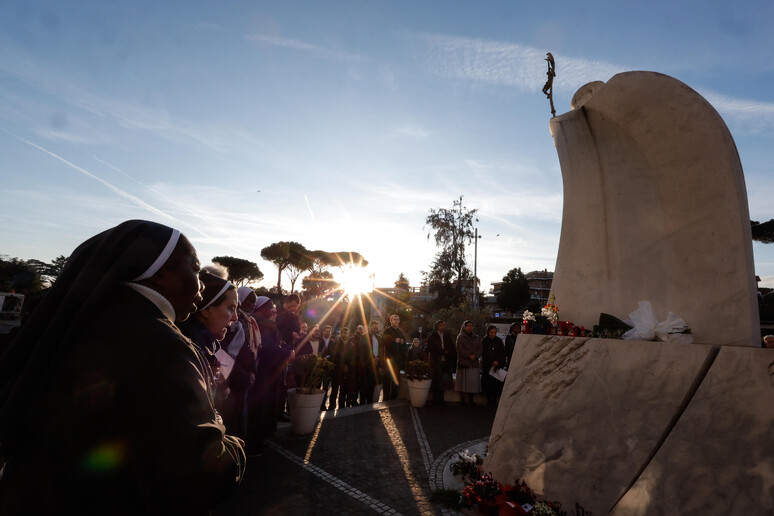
x=549, y=313
x=528, y=316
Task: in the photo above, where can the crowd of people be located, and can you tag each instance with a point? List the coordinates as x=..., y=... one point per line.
x=141, y=383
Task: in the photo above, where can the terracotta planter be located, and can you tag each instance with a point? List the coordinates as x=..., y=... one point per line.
x=418, y=390
x=304, y=410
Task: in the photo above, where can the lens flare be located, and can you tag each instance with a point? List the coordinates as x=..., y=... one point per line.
x=105, y=457
x=356, y=281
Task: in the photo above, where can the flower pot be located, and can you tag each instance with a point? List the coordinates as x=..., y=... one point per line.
x=304, y=410
x=418, y=390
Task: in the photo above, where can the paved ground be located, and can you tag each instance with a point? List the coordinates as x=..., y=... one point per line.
x=381, y=459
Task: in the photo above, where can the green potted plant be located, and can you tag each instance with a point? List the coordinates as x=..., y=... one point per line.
x=306, y=398
x=312, y=371
x=418, y=374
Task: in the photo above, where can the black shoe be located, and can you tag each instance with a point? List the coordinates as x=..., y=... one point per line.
x=283, y=419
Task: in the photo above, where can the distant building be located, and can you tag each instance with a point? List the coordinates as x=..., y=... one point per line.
x=381, y=297
x=539, y=290
x=421, y=294
x=539, y=285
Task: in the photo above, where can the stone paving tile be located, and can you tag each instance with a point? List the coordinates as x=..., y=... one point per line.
x=449, y=425
x=369, y=462
x=275, y=486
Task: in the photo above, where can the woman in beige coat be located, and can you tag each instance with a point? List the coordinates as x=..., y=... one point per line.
x=468, y=381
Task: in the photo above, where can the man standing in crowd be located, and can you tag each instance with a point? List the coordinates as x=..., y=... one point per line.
x=374, y=339
x=443, y=356
x=366, y=373
x=288, y=323
x=394, y=349
x=289, y=327
x=337, y=352
x=325, y=351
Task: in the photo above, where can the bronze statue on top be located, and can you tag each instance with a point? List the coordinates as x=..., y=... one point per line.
x=548, y=88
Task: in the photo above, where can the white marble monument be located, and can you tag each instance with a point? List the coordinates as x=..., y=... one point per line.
x=655, y=209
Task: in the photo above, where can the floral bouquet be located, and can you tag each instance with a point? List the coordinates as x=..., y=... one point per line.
x=551, y=311
x=467, y=466
x=486, y=488
x=542, y=322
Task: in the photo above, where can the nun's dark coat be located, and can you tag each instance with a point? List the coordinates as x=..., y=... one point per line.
x=264, y=397
x=130, y=427
x=104, y=405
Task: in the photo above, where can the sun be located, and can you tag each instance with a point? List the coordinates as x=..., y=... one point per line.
x=355, y=281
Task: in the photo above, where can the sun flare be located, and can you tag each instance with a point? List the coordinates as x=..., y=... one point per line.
x=355, y=281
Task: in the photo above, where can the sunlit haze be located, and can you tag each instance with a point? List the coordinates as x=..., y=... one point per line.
x=340, y=124
x=355, y=281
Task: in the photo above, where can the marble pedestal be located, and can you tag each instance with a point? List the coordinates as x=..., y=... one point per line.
x=638, y=428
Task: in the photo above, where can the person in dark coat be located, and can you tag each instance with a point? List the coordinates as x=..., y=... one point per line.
x=288, y=323
x=289, y=327
x=510, y=343
x=375, y=342
x=416, y=352
x=337, y=351
x=492, y=357
x=366, y=368
x=266, y=396
x=442, y=353
x=326, y=341
x=105, y=407
x=394, y=349
x=349, y=384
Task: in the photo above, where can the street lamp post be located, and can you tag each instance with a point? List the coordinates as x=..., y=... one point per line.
x=475, y=268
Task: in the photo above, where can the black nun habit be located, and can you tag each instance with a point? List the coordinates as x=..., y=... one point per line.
x=104, y=404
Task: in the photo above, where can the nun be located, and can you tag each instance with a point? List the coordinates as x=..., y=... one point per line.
x=105, y=407
x=215, y=312
x=242, y=343
x=265, y=397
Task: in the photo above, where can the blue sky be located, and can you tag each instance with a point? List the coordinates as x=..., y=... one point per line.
x=339, y=124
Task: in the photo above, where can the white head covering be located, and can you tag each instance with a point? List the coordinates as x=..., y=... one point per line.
x=162, y=258
x=262, y=300
x=243, y=292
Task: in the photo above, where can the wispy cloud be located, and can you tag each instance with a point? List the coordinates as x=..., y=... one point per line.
x=187, y=208
x=126, y=195
x=310, y=209
x=413, y=131
x=294, y=44
x=750, y=115
x=524, y=68
x=70, y=137
x=507, y=64
x=134, y=115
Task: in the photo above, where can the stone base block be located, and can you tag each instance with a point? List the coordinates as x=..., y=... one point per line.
x=638, y=428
